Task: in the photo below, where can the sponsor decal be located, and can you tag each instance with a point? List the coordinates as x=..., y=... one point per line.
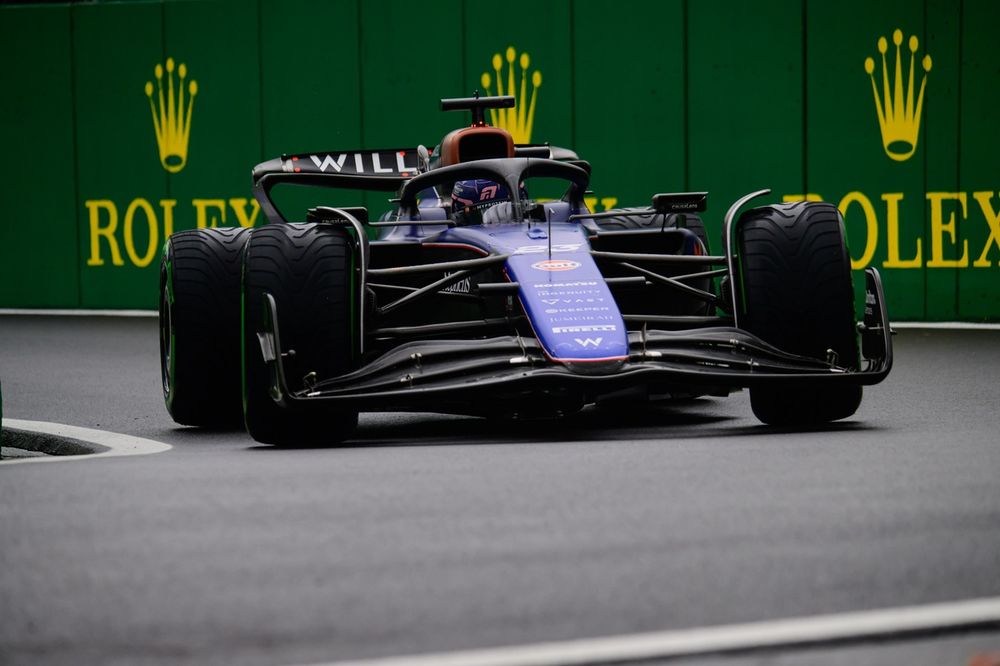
x=113, y=233
x=372, y=162
x=579, y=310
x=898, y=115
x=596, y=328
x=537, y=249
x=546, y=285
x=568, y=292
x=579, y=318
x=947, y=209
x=556, y=265
x=519, y=119
x=326, y=163
x=607, y=203
x=171, y=117
x=553, y=301
x=588, y=342
x=461, y=287
x=898, y=103
x=131, y=232
x=870, y=303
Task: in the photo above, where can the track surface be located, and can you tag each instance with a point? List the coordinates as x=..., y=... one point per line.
x=432, y=533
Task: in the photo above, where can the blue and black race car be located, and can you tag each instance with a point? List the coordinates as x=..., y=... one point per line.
x=477, y=295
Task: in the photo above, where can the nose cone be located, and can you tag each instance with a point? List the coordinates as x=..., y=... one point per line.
x=571, y=309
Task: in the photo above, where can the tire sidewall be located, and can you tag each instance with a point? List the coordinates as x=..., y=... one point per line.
x=199, y=318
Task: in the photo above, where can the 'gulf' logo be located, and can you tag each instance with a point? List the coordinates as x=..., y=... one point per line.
x=556, y=265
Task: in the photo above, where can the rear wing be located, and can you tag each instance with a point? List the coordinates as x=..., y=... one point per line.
x=376, y=170
x=389, y=163
x=385, y=170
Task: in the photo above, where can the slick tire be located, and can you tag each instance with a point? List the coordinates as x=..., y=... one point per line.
x=307, y=269
x=199, y=323
x=630, y=220
x=798, y=296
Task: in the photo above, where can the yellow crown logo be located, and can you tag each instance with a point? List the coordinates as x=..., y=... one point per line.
x=897, y=117
x=171, y=120
x=519, y=119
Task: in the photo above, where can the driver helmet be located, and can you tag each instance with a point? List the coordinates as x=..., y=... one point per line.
x=469, y=198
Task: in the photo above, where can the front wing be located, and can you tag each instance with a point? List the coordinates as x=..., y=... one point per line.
x=484, y=376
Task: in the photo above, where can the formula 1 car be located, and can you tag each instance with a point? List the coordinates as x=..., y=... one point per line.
x=526, y=307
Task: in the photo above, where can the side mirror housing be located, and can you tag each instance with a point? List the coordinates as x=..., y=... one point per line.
x=680, y=202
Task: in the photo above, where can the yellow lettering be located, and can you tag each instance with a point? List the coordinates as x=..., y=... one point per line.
x=107, y=232
x=607, y=203
x=993, y=221
x=239, y=207
x=892, y=209
x=939, y=228
x=201, y=207
x=871, y=226
x=168, y=216
x=147, y=258
x=789, y=198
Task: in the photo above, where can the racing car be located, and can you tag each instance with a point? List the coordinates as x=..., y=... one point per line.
x=486, y=290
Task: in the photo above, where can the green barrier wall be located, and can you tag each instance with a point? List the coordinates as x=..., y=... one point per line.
x=662, y=95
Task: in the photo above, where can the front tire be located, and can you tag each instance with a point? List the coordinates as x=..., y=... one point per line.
x=199, y=322
x=307, y=269
x=798, y=296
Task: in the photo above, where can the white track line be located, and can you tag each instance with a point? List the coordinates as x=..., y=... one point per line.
x=79, y=313
x=947, y=325
x=115, y=443
x=714, y=640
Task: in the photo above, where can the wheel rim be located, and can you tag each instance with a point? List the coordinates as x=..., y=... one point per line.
x=166, y=340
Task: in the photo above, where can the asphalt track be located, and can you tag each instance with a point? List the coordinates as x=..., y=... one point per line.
x=432, y=533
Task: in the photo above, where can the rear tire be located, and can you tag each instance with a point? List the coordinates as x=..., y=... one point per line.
x=307, y=269
x=199, y=323
x=628, y=219
x=798, y=296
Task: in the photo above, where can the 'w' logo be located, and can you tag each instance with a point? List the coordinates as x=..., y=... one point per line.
x=328, y=161
x=587, y=342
